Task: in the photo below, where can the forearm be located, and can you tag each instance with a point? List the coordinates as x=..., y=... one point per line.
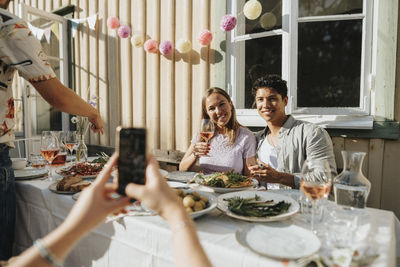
x=59, y=243
x=64, y=99
x=286, y=179
x=188, y=160
x=186, y=244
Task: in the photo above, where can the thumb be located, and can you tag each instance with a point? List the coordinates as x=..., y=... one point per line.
x=134, y=191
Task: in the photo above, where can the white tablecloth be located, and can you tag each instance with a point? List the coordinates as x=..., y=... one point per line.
x=146, y=240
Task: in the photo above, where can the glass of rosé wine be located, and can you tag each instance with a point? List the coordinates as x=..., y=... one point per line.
x=207, y=129
x=315, y=182
x=70, y=140
x=49, y=148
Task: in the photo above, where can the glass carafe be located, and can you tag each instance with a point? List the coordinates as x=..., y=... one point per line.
x=81, y=150
x=351, y=188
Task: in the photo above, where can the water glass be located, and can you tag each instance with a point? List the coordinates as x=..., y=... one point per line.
x=341, y=225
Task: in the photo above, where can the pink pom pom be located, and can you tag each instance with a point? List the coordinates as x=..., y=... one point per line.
x=112, y=22
x=124, y=31
x=204, y=37
x=165, y=47
x=228, y=22
x=151, y=46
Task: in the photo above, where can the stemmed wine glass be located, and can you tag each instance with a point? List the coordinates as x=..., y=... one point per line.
x=70, y=140
x=207, y=129
x=315, y=182
x=49, y=148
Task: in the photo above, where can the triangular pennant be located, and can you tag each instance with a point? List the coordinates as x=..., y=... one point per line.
x=92, y=21
x=47, y=34
x=33, y=29
x=39, y=34
x=54, y=29
x=74, y=26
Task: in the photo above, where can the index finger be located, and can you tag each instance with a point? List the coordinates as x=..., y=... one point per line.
x=105, y=174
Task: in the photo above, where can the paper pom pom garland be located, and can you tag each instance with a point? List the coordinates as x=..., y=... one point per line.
x=183, y=46
x=165, y=47
x=137, y=40
x=228, y=22
x=113, y=23
x=204, y=37
x=252, y=9
x=124, y=31
x=151, y=46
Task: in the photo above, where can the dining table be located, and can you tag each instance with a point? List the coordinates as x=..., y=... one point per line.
x=146, y=240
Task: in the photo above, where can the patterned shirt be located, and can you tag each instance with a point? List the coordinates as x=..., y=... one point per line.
x=224, y=157
x=21, y=51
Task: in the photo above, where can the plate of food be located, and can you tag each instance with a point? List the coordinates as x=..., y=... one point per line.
x=69, y=185
x=29, y=173
x=223, y=182
x=87, y=170
x=197, y=203
x=179, y=176
x=257, y=206
x=279, y=240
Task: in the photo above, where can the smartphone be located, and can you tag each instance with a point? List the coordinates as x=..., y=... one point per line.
x=131, y=145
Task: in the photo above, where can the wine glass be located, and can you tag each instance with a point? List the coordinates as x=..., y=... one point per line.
x=315, y=182
x=49, y=148
x=207, y=129
x=70, y=140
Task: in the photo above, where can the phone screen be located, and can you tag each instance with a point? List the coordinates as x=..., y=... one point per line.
x=132, y=157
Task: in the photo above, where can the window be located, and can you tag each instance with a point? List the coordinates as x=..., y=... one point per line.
x=38, y=114
x=323, y=49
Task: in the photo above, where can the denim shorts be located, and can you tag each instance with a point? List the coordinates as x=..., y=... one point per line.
x=7, y=204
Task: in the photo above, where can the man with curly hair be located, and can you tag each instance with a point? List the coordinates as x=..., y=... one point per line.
x=284, y=145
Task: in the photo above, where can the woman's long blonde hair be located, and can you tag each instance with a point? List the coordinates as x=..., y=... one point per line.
x=233, y=125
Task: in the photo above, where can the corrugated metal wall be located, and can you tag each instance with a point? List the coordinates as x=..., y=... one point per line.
x=163, y=93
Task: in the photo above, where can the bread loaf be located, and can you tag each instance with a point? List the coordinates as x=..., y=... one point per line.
x=77, y=187
x=65, y=183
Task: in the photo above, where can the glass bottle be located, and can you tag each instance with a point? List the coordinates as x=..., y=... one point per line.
x=351, y=188
x=81, y=150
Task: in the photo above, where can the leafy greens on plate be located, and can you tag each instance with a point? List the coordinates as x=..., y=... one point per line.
x=256, y=206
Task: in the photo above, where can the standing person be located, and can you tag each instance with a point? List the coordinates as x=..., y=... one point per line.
x=231, y=144
x=284, y=145
x=21, y=51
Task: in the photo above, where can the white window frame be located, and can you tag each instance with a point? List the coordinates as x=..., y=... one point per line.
x=28, y=91
x=360, y=117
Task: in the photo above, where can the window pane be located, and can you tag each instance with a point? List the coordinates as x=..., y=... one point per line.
x=329, y=64
x=263, y=55
x=47, y=117
x=329, y=7
x=270, y=18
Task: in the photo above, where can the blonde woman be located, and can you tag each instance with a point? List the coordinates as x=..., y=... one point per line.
x=231, y=144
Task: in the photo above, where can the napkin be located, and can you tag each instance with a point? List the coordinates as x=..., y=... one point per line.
x=132, y=210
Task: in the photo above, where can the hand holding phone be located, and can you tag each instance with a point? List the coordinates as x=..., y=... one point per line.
x=131, y=144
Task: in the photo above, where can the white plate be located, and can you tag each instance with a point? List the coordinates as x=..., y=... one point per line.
x=279, y=240
x=212, y=203
x=29, y=173
x=164, y=173
x=76, y=196
x=179, y=176
x=254, y=184
x=265, y=195
x=53, y=188
x=60, y=172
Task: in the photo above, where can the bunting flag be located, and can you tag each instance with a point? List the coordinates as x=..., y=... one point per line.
x=39, y=33
x=74, y=26
x=47, y=34
x=54, y=29
x=92, y=20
